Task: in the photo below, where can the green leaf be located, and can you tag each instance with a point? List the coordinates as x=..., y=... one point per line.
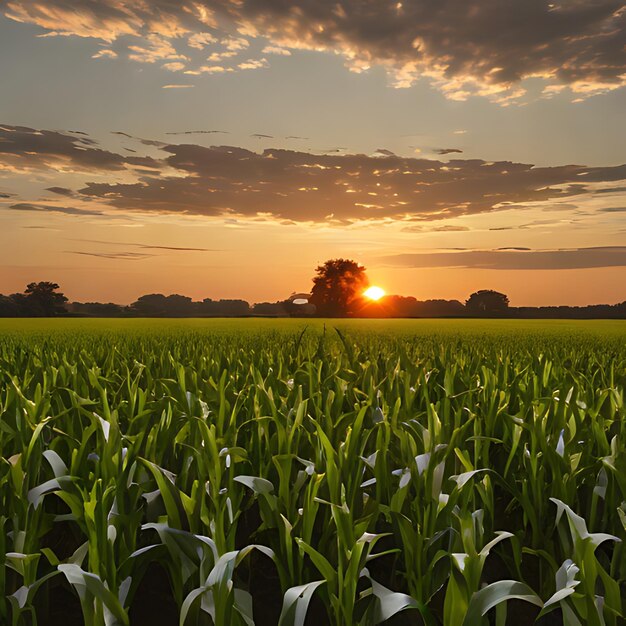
x=389, y=603
x=89, y=586
x=296, y=603
x=320, y=562
x=257, y=484
x=495, y=593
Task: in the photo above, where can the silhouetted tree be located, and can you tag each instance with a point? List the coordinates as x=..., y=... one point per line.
x=8, y=307
x=149, y=304
x=156, y=304
x=97, y=309
x=179, y=306
x=408, y=306
x=273, y=309
x=338, y=286
x=223, y=308
x=44, y=299
x=487, y=302
x=23, y=307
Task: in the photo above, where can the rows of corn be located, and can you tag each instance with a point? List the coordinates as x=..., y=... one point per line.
x=289, y=475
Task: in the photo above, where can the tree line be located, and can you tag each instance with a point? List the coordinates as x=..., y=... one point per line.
x=338, y=291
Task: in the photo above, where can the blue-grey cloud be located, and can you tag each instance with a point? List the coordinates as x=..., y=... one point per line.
x=51, y=208
x=23, y=149
x=514, y=258
x=444, y=151
x=199, y=132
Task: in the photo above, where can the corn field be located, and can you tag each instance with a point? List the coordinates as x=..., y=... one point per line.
x=291, y=472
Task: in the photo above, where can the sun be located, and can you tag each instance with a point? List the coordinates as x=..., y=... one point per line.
x=374, y=293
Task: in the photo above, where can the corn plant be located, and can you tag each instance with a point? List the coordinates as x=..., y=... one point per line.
x=407, y=471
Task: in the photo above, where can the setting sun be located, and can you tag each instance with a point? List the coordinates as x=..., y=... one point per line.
x=374, y=293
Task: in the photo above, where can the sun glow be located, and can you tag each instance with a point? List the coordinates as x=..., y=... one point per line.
x=374, y=293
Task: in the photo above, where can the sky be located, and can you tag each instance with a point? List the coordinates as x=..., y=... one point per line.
x=224, y=149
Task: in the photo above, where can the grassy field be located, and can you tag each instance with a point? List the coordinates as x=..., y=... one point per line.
x=456, y=472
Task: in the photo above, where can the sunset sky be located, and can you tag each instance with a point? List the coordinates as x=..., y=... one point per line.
x=224, y=149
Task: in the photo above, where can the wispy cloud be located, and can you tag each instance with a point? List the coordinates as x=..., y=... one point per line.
x=118, y=256
x=199, y=132
x=51, y=208
x=614, y=209
x=23, y=149
x=514, y=258
x=148, y=246
x=105, y=54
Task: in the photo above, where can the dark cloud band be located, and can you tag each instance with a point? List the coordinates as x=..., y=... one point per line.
x=515, y=259
x=293, y=185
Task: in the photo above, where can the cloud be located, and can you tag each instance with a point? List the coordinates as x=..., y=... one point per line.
x=276, y=50
x=176, y=249
x=540, y=223
x=199, y=132
x=450, y=229
x=145, y=142
x=49, y=208
x=105, y=54
x=61, y=191
x=177, y=86
x=24, y=149
x=154, y=48
x=175, y=66
x=119, y=256
x=384, y=152
x=483, y=47
x=201, y=40
x=146, y=246
x=301, y=186
x=514, y=259
x=235, y=44
x=217, y=57
x=443, y=151
x=211, y=69
x=253, y=64
x=288, y=184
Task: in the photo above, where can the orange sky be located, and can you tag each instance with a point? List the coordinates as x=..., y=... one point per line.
x=266, y=262
x=223, y=150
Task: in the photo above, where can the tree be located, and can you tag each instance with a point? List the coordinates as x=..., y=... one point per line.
x=158, y=305
x=487, y=302
x=8, y=307
x=225, y=308
x=44, y=298
x=149, y=305
x=338, y=286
